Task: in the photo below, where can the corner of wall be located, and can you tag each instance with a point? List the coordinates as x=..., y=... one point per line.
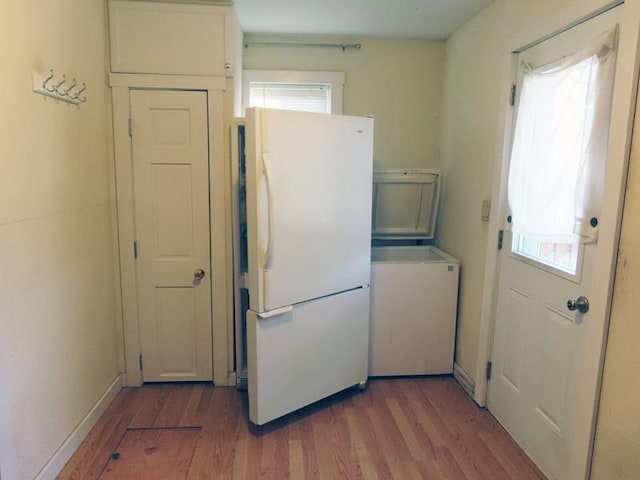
x=77, y=436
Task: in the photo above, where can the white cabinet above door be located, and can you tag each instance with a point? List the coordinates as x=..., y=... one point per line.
x=173, y=39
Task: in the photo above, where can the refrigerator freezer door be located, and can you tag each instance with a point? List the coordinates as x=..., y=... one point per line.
x=309, y=182
x=299, y=355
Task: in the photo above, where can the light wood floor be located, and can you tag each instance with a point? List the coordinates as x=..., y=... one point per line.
x=419, y=428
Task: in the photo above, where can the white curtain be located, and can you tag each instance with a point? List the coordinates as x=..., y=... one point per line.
x=557, y=166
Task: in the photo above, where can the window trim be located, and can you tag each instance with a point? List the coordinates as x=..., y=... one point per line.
x=335, y=79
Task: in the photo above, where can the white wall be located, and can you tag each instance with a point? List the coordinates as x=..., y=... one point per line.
x=58, y=333
x=399, y=82
x=469, y=132
x=617, y=448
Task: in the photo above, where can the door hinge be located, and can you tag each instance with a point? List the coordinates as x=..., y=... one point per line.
x=512, y=97
x=488, y=372
x=500, y=237
x=140, y=361
x=135, y=249
x=130, y=128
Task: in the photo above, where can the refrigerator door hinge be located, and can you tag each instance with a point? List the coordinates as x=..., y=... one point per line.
x=140, y=361
x=135, y=250
x=512, y=97
x=130, y=128
x=242, y=380
x=488, y=371
x=500, y=237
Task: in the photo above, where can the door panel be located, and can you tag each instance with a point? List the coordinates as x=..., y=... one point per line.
x=540, y=348
x=555, y=357
x=176, y=338
x=517, y=312
x=170, y=163
x=309, y=182
x=172, y=197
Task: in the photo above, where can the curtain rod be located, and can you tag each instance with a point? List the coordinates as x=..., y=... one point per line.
x=343, y=46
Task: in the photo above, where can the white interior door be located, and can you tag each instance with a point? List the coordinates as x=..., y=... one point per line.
x=171, y=172
x=309, y=182
x=546, y=358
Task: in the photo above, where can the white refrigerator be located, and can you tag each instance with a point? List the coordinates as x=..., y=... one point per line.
x=308, y=217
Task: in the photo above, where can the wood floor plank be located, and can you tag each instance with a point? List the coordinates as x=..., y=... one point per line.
x=302, y=429
x=191, y=414
x=385, y=428
x=93, y=454
x=447, y=464
x=425, y=420
x=242, y=460
x=152, y=400
x=215, y=452
x=415, y=448
x=153, y=454
x=367, y=464
x=328, y=467
x=296, y=459
x=506, y=452
x=401, y=428
x=462, y=420
x=175, y=406
x=372, y=445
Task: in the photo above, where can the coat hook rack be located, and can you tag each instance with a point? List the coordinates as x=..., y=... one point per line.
x=58, y=87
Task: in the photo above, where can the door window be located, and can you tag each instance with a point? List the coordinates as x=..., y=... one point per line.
x=558, y=156
x=558, y=256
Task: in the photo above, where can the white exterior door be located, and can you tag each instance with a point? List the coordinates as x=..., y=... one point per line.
x=309, y=183
x=546, y=357
x=171, y=172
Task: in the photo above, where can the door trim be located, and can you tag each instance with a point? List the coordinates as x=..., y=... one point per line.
x=219, y=93
x=623, y=109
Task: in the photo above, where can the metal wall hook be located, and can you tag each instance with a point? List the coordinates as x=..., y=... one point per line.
x=46, y=80
x=73, y=94
x=81, y=99
x=57, y=87
x=47, y=84
x=71, y=87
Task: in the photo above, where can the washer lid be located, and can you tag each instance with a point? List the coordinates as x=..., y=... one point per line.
x=405, y=204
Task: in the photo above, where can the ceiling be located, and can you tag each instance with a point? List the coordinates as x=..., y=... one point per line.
x=423, y=19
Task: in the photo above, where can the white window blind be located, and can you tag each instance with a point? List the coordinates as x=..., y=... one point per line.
x=291, y=96
x=560, y=144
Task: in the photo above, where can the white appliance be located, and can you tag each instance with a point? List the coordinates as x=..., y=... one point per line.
x=308, y=211
x=414, y=288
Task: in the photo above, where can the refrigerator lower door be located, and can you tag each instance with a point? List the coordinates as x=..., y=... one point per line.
x=300, y=354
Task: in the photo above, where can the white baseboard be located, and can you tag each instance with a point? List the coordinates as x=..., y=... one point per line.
x=464, y=379
x=73, y=441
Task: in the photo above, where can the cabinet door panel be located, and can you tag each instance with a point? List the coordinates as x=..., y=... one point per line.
x=177, y=39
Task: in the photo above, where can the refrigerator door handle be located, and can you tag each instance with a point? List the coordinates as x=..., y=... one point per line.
x=267, y=253
x=275, y=312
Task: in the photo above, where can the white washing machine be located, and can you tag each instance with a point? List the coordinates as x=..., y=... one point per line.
x=414, y=288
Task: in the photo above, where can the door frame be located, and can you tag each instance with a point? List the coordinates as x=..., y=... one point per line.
x=623, y=109
x=219, y=108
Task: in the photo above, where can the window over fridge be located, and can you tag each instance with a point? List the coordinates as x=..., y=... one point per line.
x=309, y=91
